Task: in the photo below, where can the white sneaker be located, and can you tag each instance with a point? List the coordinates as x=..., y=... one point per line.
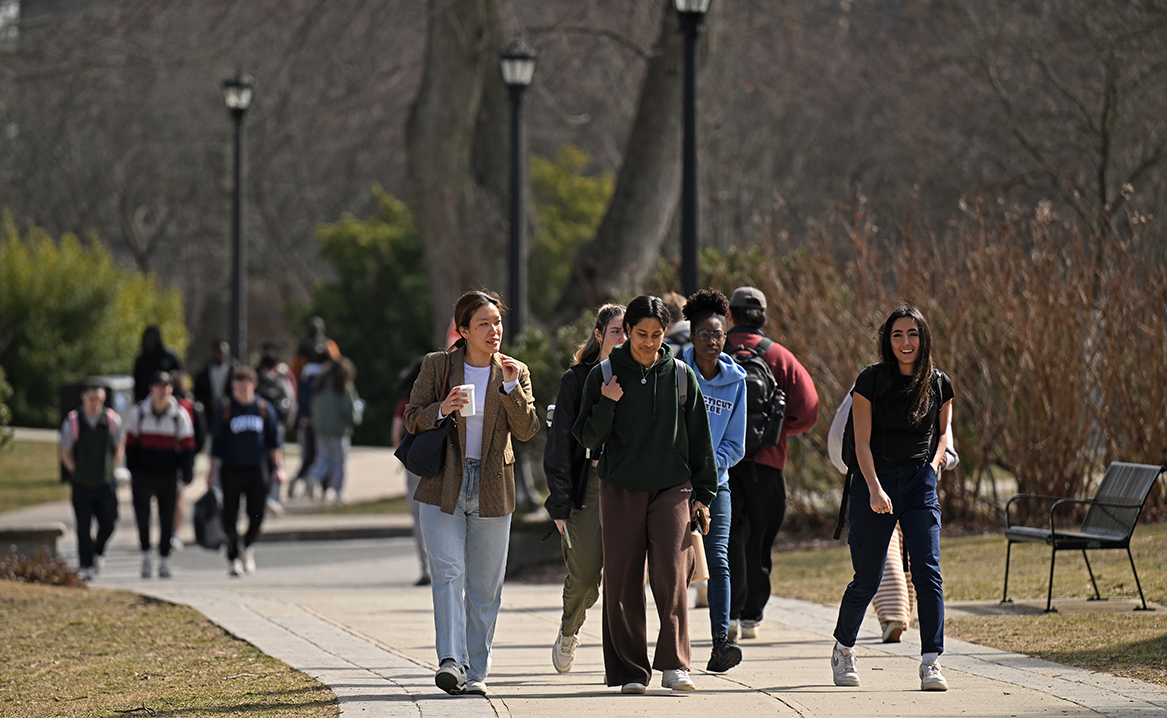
x=476, y=688
x=235, y=568
x=275, y=507
x=634, y=689
x=163, y=567
x=98, y=564
x=86, y=574
x=892, y=631
x=931, y=679
x=147, y=565
x=750, y=629
x=843, y=666
x=677, y=679
x=249, y=560
x=563, y=653
x=176, y=542
x=735, y=628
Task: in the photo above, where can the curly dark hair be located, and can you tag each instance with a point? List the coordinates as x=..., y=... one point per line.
x=706, y=303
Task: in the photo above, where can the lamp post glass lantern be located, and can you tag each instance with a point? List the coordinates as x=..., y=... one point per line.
x=237, y=93
x=517, y=64
x=691, y=14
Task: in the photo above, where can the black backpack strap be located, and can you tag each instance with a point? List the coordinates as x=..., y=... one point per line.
x=764, y=345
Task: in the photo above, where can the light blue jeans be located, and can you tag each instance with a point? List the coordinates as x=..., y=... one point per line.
x=717, y=556
x=328, y=469
x=468, y=557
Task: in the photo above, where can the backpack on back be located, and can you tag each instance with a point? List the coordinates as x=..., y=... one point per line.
x=765, y=402
x=273, y=389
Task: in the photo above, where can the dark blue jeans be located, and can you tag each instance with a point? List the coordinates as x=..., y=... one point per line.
x=912, y=490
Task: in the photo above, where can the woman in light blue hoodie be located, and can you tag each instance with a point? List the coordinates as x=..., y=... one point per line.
x=723, y=384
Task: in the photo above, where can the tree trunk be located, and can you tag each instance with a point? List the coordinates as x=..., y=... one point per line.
x=455, y=184
x=648, y=187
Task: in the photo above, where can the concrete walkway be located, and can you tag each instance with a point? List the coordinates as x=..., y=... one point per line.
x=347, y=613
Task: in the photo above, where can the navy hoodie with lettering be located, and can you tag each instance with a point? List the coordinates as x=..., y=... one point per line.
x=247, y=435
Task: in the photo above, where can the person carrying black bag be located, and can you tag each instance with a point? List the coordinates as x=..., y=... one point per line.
x=245, y=440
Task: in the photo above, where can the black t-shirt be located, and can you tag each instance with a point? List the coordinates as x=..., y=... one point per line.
x=895, y=439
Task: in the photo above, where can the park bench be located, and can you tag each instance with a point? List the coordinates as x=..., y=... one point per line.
x=1110, y=521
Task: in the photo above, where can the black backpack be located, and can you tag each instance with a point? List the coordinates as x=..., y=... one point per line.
x=765, y=402
x=272, y=389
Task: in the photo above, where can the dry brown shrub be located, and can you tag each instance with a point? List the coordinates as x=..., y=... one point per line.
x=1056, y=343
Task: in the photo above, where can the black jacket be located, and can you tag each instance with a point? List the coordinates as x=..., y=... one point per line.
x=202, y=384
x=565, y=460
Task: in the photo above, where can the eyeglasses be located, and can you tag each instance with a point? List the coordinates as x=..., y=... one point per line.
x=705, y=335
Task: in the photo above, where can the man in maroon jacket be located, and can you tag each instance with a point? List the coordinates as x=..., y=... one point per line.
x=757, y=485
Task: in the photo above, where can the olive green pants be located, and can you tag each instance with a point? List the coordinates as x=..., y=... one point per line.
x=585, y=558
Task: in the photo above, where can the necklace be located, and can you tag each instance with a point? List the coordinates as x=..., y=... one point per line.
x=644, y=370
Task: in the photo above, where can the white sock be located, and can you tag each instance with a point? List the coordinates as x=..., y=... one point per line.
x=929, y=657
x=844, y=649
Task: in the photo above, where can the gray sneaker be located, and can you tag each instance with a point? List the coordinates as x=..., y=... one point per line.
x=563, y=653
x=451, y=678
x=931, y=679
x=843, y=666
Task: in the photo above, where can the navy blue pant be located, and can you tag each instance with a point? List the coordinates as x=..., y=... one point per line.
x=912, y=490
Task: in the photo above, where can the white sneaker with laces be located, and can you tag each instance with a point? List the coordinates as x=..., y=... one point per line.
x=931, y=679
x=147, y=565
x=677, y=679
x=176, y=542
x=563, y=653
x=235, y=568
x=476, y=688
x=249, y=560
x=843, y=666
x=636, y=689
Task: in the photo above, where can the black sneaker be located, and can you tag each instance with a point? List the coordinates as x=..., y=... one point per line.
x=725, y=655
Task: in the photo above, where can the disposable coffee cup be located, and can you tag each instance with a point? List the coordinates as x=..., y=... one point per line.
x=467, y=410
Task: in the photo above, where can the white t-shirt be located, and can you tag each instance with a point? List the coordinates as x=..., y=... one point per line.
x=480, y=378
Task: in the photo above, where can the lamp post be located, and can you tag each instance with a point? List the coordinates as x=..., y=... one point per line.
x=237, y=92
x=691, y=13
x=518, y=67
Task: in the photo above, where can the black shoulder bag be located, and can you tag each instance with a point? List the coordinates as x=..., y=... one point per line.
x=424, y=454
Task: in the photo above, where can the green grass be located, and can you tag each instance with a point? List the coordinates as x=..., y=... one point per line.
x=79, y=652
x=1132, y=644
x=29, y=475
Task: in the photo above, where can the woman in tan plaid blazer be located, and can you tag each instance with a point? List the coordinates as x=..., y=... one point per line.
x=466, y=510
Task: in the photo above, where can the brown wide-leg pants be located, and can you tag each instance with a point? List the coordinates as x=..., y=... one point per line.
x=636, y=524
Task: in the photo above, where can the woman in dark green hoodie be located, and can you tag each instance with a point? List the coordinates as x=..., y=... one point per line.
x=657, y=472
